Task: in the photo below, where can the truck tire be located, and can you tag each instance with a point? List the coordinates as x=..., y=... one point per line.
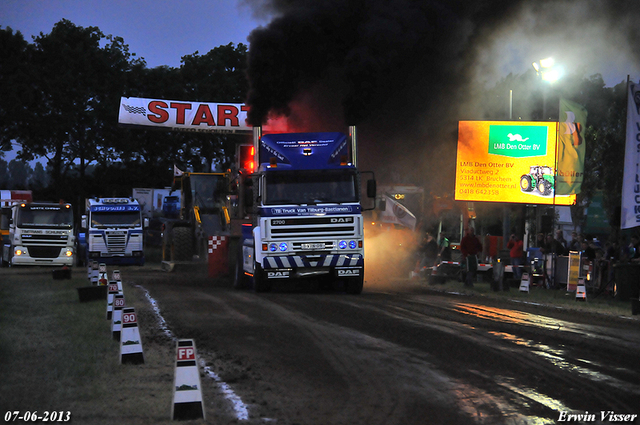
x=354, y=285
x=260, y=284
x=241, y=280
x=182, y=243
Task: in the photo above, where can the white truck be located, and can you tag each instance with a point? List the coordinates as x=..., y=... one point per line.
x=114, y=231
x=39, y=234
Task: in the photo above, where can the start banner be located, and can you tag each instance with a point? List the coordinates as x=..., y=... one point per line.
x=184, y=115
x=508, y=161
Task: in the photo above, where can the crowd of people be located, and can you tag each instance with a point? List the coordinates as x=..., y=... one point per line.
x=601, y=255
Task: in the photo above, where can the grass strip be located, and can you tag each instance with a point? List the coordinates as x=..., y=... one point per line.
x=58, y=354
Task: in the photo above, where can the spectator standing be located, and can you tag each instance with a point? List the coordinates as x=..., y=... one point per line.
x=445, y=250
x=588, y=251
x=470, y=246
x=429, y=251
x=562, y=242
x=574, y=243
x=515, y=246
x=541, y=242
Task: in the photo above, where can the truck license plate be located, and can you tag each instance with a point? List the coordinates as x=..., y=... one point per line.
x=312, y=246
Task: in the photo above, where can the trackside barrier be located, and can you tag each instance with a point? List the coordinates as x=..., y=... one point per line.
x=525, y=282
x=218, y=256
x=116, y=317
x=130, y=341
x=581, y=290
x=112, y=289
x=94, y=273
x=115, y=275
x=187, y=391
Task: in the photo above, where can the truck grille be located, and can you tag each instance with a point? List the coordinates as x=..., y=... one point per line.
x=116, y=242
x=44, y=251
x=320, y=227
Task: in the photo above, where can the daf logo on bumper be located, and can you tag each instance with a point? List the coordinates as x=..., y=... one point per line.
x=278, y=275
x=349, y=272
x=342, y=220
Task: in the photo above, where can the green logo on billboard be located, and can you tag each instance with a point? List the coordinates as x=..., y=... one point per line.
x=518, y=141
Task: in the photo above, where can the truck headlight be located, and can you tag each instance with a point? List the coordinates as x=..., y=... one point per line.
x=353, y=244
x=68, y=252
x=342, y=244
x=283, y=246
x=18, y=252
x=273, y=247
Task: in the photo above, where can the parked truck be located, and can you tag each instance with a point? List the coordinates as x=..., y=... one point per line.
x=307, y=217
x=39, y=233
x=9, y=198
x=114, y=231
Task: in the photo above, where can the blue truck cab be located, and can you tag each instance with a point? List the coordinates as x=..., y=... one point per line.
x=307, y=221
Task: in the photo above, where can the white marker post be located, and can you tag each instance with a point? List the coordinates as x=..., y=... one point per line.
x=581, y=290
x=524, y=282
x=187, y=391
x=116, y=318
x=130, y=341
x=112, y=289
x=94, y=273
x=102, y=274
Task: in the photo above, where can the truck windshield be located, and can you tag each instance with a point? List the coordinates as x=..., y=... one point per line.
x=116, y=219
x=311, y=187
x=32, y=216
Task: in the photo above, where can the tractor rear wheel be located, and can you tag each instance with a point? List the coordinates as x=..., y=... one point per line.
x=544, y=187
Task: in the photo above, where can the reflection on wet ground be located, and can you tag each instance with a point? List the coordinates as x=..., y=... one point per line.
x=557, y=357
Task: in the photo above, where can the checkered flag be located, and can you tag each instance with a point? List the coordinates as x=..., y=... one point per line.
x=135, y=109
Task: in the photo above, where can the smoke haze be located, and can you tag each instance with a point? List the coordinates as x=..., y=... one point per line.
x=406, y=71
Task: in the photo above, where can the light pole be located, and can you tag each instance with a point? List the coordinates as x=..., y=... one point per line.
x=548, y=71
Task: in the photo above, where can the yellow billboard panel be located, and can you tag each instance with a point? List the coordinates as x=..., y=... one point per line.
x=507, y=161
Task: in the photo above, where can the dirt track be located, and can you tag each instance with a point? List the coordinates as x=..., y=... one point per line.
x=415, y=356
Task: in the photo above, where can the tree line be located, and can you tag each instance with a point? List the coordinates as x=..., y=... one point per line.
x=59, y=100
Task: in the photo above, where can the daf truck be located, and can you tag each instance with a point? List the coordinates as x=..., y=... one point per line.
x=39, y=233
x=307, y=217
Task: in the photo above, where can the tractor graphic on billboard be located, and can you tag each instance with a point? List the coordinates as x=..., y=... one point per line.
x=540, y=177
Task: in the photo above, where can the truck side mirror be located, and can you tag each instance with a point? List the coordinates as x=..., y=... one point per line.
x=371, y=188
x=83, y=222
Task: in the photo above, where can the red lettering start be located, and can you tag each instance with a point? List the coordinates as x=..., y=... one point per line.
x=225, y=114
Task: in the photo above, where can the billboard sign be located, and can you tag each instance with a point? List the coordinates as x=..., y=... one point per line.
x=507, y=161
x=184, y=115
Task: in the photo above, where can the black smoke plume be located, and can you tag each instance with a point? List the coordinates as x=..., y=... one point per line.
x=405, y=71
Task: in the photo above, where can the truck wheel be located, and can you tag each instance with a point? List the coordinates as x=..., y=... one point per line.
x=354, y=285
x=182, y=243
x=241, y=280
x=260, y=284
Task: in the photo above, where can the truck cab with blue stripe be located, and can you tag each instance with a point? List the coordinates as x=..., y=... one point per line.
x=114, y=231
x=307, y=221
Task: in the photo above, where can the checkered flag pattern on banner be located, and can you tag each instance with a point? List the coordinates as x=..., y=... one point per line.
x=135, y=109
